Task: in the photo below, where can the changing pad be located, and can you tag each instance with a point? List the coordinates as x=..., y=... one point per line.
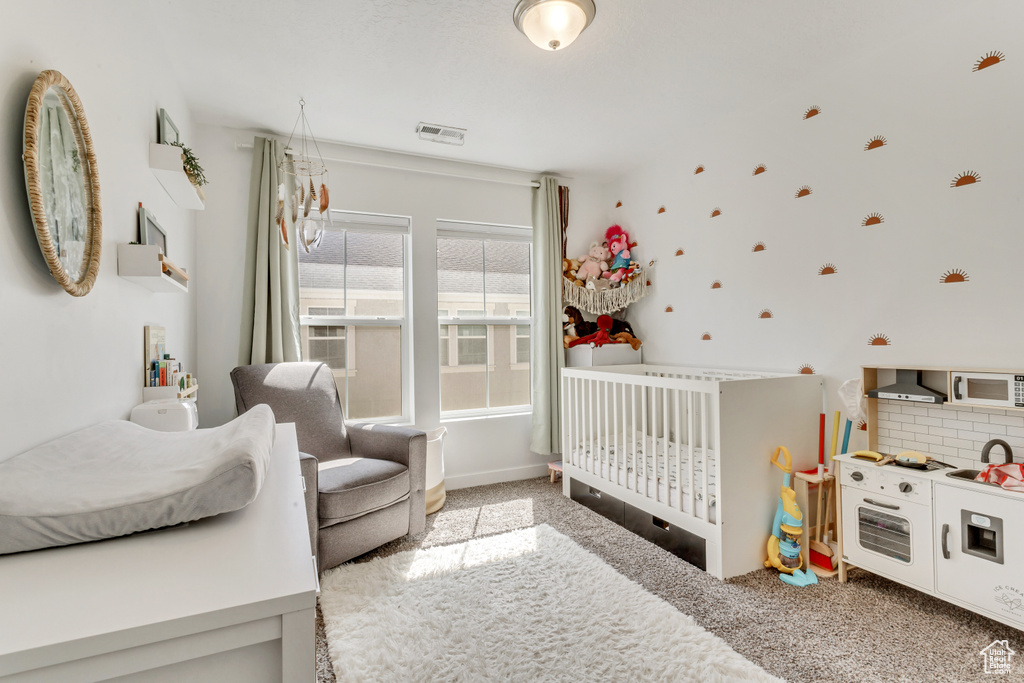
x=118, y=478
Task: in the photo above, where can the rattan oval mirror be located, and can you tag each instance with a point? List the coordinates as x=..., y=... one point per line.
x=62, y=182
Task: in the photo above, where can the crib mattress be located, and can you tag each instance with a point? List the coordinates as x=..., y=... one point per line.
x=645, y=471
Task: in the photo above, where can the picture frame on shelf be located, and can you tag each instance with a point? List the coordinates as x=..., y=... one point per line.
x=150, y=231
x=167, y=131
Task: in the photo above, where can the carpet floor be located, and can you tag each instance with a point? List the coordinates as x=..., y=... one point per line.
x=869, y=629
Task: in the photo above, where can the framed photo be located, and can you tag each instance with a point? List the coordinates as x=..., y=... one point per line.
x=150, y=232
x=168, y=132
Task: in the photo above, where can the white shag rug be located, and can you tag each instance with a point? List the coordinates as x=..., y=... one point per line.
x=530, y=605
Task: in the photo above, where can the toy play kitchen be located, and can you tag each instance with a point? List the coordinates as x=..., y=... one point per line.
x=931, y=526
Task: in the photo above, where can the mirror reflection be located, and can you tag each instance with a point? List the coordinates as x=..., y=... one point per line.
x=62, y=181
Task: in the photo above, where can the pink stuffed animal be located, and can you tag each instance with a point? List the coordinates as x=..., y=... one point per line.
x=618, y=241
x=595, y=263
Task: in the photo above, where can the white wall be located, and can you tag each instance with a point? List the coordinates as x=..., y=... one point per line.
x=940, y=119
x=69, y=362
x=476, y=451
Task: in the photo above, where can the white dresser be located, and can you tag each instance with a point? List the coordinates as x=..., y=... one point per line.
x=227, y=598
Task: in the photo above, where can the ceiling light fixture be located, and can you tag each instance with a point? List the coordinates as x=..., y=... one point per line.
x=553, y=24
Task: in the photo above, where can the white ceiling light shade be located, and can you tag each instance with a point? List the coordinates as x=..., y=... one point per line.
x=553, y=24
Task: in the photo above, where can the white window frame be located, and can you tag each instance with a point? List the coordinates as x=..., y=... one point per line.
x=356, y=221
x=450, y=229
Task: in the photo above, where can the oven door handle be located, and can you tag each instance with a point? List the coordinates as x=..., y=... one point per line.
x=887, y=506
x=956, y=387
x=945, y=546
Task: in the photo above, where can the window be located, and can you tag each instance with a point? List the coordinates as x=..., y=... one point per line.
x=484, y=315
x=353, y=291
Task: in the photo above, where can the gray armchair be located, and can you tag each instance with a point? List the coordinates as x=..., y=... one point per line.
x=365, y=483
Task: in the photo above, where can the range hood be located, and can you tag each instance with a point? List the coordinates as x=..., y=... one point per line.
x=908, y=387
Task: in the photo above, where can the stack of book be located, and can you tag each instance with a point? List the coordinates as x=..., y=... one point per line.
x=161, y=369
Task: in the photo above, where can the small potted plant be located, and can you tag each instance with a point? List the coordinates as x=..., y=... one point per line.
x=192, y=168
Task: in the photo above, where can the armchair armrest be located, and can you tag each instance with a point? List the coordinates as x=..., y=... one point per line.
x=402, y=445
x=310, y=474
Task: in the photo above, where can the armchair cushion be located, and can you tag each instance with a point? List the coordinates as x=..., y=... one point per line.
x=350, y=487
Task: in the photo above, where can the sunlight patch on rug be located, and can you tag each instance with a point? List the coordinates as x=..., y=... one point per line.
x=528, y=605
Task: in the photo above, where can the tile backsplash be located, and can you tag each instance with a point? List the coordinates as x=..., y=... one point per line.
x=952, y=434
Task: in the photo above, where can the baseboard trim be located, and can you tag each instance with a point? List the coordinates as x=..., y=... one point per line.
x=496, y=476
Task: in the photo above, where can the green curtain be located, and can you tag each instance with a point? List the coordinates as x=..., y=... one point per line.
x=270, y=307
x=547, y=358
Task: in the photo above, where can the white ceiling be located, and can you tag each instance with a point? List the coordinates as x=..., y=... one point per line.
x=635, y=81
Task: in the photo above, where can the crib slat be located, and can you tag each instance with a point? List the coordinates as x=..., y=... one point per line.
x=679, y=455
x=613, y=457
x=632, y=436
x=691, y=445
x=717, y=433
x=567, y=433
x=604, y=419
x=704, y=455
x=665, y=396
x=643, y=440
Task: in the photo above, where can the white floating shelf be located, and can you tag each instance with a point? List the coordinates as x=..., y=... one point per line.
x=143, y=265
x=158, y=393
x=166, y=164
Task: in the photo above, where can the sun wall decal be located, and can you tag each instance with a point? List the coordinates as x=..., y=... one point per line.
x=661, y=210
x=706, y=336
x=828, y=269
x=680, y=252
x=618, y=205
x=955, y=275
x=765, y=313
x=873, y=218
x=875, y=142
x=717, y=284
x=699, y=169
x=668, y=309
x=879, y=340
x=759, y=169
x=806, y=369
x=991, y=59
x=716, y=212
x=759, y=246
x=813, y=110
x=803, y=191
x=862, y=426
x=965, y=178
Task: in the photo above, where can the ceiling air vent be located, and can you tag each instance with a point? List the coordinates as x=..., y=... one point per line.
x=449, y=135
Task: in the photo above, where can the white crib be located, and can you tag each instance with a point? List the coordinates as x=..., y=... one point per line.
x=681, y=455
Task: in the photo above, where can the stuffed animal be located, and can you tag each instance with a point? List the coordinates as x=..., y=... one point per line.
x=618, y=244
x=622, y=332
x=574, y=326
x=570, y=266
x=599, y=284
x=599, y=338
x=595, y=263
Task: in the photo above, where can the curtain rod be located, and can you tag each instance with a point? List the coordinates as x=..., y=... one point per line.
x=522, y=183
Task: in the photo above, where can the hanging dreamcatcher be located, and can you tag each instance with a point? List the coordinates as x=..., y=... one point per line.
x=298, y=194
